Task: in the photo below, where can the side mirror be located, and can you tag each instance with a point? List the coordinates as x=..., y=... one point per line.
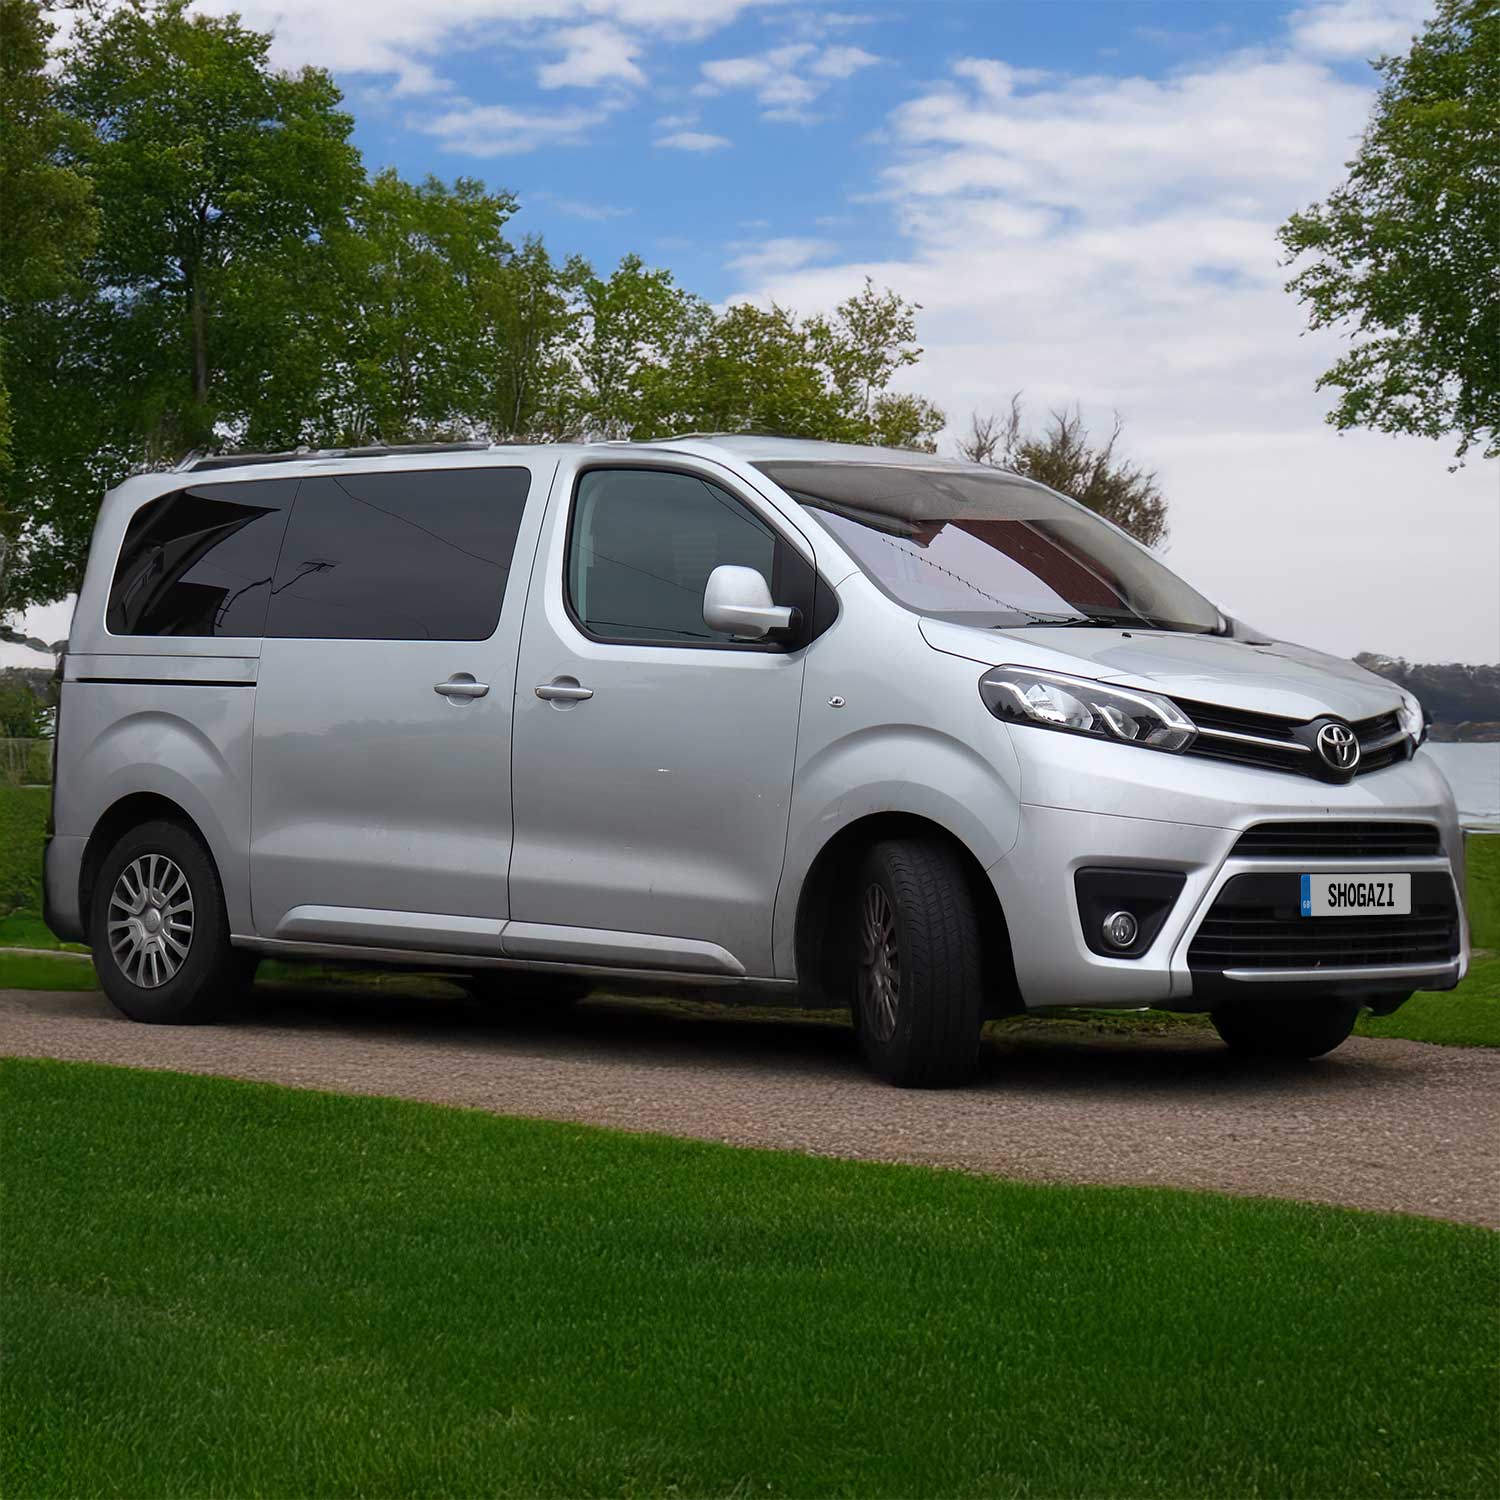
x=737, y=601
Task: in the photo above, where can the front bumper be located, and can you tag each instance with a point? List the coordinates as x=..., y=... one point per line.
x=1172, y=814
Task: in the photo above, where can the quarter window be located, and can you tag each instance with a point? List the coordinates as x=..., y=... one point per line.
x=643, y=543
x=399, y=556
x=200, y=560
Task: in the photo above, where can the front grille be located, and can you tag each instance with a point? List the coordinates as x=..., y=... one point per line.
x=1339, y=840
x=1255, y=924
x=1276, y=744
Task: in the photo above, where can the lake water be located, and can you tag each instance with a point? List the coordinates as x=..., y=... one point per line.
x=1473, y=771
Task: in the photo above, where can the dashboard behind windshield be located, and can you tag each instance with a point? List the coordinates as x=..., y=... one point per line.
x=987, y=549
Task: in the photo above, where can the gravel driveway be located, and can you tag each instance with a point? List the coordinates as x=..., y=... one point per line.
x=1378, y=1125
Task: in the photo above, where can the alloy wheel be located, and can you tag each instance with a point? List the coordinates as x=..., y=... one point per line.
x=879, y=963
x=150, y=920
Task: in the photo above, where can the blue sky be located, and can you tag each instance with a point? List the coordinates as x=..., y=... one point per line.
x=748, y=170
x=1081, y=194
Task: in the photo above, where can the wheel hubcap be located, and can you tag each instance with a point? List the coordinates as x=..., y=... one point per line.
x=879, y=963
x=150, y=920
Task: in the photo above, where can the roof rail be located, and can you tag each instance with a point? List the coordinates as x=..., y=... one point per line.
x=196, y=463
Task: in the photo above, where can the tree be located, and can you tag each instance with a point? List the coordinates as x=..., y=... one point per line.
x=1406, y=254
x=213, y=173
x=417, y=270
x=49, y=223
x=531, y=324
x=1064, y=458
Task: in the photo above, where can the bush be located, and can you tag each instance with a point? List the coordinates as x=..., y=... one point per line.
x=25, y=761
x=22, y=713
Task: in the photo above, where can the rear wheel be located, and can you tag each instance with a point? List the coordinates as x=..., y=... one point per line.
x=915, y=977
x=158, y=928
x=1290, y=1029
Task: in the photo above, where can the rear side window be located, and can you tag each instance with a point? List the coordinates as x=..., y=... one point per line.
x=399, y=557
x=642, y=545
x=200, y=561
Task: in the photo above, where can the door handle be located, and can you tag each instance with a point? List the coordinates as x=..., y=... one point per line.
x=564, y=690
x=461, y=686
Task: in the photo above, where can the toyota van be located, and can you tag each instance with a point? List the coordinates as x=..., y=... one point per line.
x=846, y=726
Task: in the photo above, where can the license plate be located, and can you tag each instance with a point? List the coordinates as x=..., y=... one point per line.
x=1356, y=895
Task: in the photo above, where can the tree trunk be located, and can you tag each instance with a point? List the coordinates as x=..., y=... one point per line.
x=200, y=340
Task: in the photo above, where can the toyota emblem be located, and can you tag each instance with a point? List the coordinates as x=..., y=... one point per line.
x=1338, y=746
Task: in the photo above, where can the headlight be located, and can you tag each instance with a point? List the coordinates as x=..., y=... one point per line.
x=1413, y=720
x=1080, y=706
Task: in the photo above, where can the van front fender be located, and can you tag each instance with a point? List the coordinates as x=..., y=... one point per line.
x=909, y=770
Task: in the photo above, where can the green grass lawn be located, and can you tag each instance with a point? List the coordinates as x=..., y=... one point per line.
x=215, y=1288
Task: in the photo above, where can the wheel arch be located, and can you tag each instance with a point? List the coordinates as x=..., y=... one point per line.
x=118, y=819
x=830, y=877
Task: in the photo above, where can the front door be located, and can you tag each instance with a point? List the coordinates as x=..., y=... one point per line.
x=380, y=804
x=653, y=758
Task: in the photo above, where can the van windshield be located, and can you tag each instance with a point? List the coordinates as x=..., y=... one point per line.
x=990, y=550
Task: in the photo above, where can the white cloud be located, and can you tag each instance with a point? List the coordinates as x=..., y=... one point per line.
x=775, y=257
x=842, y=62
x=787, y=79
x=575, y=208
x=1358, y=29
x=1111, y=240
x=407, y=39
x=498, y=130
x=592, y=55
x=694, y=140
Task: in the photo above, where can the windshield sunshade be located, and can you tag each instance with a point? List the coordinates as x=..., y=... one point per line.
x=990, y=550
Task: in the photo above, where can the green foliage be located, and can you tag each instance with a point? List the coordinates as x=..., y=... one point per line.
x=1065, y=457
x=22, y=713
x=215, y=1287
x=1406, y=253
x=48, y=223
x=210, y=167
x=415, y=268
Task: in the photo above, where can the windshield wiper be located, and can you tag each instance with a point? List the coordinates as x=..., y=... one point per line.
x=1068, y=622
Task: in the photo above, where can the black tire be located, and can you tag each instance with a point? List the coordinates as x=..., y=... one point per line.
x=924, y=1032
x=207, y=973
x=529, y=993
x=1286, y=1029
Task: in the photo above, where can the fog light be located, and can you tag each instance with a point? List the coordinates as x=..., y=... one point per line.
x=1120, y=929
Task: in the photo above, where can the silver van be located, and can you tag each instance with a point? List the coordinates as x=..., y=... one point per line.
x=858, y=727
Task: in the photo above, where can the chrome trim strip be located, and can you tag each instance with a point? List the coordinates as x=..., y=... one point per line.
x=550, y=943
x=1354, y=864
x=1374, y=747
x=411, y=958
x=1252, y=739
x=1370, y=971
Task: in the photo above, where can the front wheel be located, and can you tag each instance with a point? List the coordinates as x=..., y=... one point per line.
x=1287, y=1029
x=916, y=980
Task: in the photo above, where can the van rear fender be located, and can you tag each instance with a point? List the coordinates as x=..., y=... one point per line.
x=197, y=760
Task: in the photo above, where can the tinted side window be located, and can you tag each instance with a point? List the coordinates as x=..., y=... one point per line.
x=642, y=546
x=399, y=557
x=200, y=560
